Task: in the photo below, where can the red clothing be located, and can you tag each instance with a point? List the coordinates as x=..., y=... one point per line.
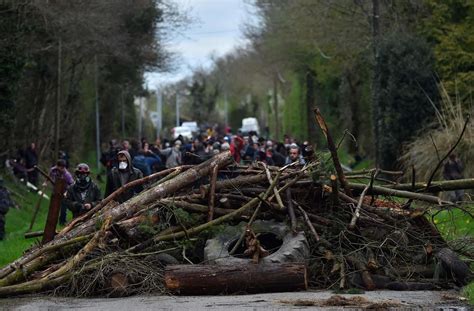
x=235, y=150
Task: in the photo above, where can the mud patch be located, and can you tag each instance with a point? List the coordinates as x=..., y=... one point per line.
x=340, y=301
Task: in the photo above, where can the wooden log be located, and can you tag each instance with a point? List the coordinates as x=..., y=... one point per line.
x=332, y=148
x=436, y=186
x=53, y=212
x=34, y=234
x=127, y=208
x=399, y=193
x=117, y=284
x=119, y=191
x=212, y=193
x=193, y=207
x=335, y=191
x=231, y=279
x=291, y=211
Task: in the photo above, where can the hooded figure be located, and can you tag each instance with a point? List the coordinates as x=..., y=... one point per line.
x=83, y=194
x=122, y=175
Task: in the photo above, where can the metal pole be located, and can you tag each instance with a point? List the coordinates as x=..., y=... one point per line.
x=177, y=109
x=97, y=124
x=122, y=104
x=58, y=102
x=140, y=120
x=226, y=109
x=159, y=111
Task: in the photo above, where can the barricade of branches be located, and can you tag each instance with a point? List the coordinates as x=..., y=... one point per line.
x=358, y=234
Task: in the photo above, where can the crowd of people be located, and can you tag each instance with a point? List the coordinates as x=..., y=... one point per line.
x=162, y=154
x=127, y=161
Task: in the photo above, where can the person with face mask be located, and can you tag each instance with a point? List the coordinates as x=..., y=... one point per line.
x=83, y=194
x=122, y=175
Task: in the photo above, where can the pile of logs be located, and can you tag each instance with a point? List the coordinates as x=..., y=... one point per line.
x=359, y=234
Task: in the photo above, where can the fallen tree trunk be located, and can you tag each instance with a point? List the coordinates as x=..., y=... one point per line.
x=132, y=206
x=246, y=278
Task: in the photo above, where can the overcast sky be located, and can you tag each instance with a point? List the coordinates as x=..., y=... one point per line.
x=216, y=30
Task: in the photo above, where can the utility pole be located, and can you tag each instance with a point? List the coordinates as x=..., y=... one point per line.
x=377, y=113
x=140, y=120
x=226, y=110
x=275, y=106
x=177, y=108
x=159, y=111
x=122, y=104
x=97, y=124
x=58, y=102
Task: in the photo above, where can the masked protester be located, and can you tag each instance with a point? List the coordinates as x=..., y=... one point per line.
x=83, y=194
x=122, y=175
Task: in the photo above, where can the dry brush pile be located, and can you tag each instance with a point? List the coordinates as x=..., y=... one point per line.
x=357, y=234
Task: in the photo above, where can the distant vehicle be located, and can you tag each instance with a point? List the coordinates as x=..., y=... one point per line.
x=191, y=125
x=183, y=131
x=250, y=125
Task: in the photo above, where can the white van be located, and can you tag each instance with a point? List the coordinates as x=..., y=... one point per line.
x=192, y=125
x=250, y=125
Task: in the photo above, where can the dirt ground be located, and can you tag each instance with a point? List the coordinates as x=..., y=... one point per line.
x=326, y=300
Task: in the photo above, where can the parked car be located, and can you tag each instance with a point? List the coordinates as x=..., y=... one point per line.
x=250, y=125
x=183, y=131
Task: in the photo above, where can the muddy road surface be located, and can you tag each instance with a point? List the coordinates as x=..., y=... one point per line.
x=326, y=300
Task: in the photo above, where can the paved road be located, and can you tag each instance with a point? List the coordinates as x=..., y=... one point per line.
x=387, y=300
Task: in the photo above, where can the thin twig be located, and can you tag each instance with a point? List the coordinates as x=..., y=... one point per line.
x=359, y=204
x=436, y=148
x=275, y=190
x=308, y=222
x=448, y=153
x=212, y=194
x=333, y=150
x=254, y=216
x=291, y=211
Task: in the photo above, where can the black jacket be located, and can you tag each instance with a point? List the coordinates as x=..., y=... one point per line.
x=5, y=200
x=114, y=181
x=76, y=197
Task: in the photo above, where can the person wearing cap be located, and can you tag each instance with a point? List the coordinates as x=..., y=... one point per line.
x=173, y=155
x=5, y=204
x=83, y=194
x=122, y=175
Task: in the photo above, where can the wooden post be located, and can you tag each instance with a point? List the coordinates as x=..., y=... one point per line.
x=228, y=279
x=53, y=213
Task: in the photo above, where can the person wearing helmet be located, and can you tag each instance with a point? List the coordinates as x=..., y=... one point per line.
x=84, y=193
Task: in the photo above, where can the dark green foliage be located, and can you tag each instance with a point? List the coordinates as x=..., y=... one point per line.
x=407, y=86
x=203, y=99
x=450, y=26
x=294, y=111
x=121, y=35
